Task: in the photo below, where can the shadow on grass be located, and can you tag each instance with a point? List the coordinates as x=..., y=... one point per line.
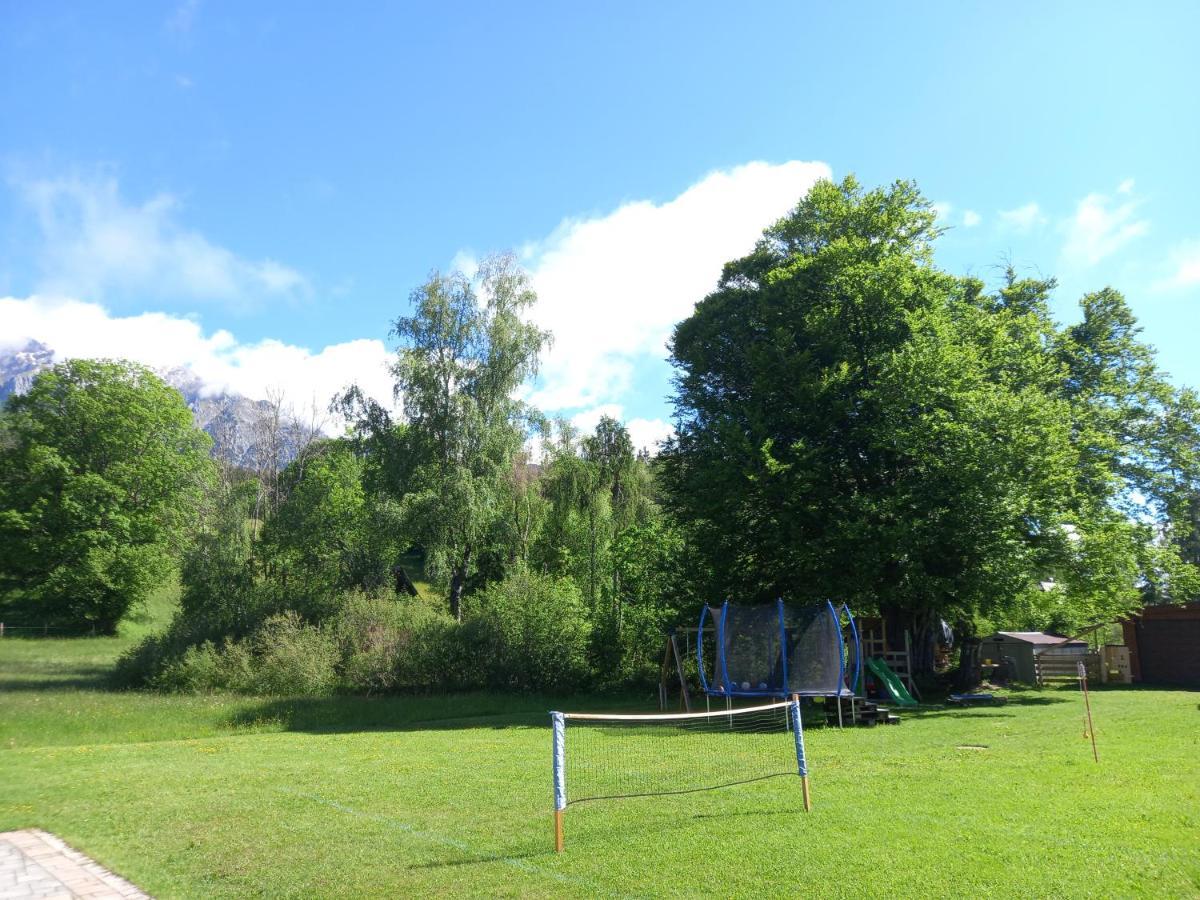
x=481, y=858
x=74, y=677
x=325, y=715
x=47, y=685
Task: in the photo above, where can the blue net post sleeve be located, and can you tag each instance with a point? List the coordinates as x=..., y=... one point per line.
x=559, y=723
x=798, y=731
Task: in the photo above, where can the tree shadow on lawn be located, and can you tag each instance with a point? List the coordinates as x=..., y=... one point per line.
x=339, y=714
x=74, y=678
x=941, y=709
x=349, y=713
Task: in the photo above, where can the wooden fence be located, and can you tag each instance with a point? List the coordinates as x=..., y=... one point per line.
x=1050, y=667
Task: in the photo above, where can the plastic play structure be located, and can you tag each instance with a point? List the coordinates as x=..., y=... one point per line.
x=890, y=682
x=774, y=651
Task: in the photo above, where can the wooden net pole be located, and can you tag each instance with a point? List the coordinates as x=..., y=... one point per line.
x=1089, y=731
x=558, y=831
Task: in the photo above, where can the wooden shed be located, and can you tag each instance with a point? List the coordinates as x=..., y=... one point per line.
x=1164, y=644
x=1032, y=653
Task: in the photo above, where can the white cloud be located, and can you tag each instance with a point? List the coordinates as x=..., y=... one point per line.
x=610, y=288
x=648, y=434
x=95, y=243
x=1125, y=187
x=1184, y=261
x=942, y=210
x=1023, y=218
x=74, y=328
x=971, y=218
x=1100, y=227
x=587, y=420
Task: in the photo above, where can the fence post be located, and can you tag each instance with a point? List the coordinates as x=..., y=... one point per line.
x=1, y=629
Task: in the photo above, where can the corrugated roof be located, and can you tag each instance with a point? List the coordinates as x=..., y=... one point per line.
x=1036, y=637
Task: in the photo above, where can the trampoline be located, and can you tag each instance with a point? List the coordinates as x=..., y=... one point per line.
x=775, y=650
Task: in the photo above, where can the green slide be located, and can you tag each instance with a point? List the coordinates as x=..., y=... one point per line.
x=891, y=681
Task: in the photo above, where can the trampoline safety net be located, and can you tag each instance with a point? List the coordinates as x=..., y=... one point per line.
x=773, y=650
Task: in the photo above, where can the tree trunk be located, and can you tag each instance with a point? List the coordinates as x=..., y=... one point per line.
x=968, y=664
x=924, y=642
x=458, y=580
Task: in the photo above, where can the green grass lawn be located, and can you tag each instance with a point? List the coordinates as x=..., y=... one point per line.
x=202, y=796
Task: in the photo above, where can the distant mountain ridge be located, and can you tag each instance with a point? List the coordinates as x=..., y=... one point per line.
x=243, y=430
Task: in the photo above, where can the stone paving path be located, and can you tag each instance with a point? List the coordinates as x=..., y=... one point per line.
x=37, y=864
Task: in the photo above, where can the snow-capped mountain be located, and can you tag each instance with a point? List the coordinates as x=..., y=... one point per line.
x=17, y=370
x=243, y=430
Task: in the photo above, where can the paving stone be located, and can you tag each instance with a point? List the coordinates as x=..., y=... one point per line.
x=36, y=864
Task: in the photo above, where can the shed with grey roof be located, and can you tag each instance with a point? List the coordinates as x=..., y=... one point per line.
x=1027, y=648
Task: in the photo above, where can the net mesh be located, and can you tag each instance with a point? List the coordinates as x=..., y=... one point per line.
x=608, y=758
x=753, y=644
x=814, y=650
x=774, y=650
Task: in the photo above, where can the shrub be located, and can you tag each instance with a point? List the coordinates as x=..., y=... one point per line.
x=206, y=668
x=385, y=643
x=292, y=657
x=529, y=632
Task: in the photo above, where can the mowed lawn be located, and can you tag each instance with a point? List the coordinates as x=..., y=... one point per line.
x=211, y=796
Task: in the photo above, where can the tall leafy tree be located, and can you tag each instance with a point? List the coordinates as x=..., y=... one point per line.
x=101, y=471
x=855, y=423
x=464, y=352
x=329, y=533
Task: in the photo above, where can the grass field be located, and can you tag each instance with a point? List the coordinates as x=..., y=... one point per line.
x=235, y=796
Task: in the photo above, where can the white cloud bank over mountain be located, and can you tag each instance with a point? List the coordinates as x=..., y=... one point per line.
x=610, y=288
x=73, y=328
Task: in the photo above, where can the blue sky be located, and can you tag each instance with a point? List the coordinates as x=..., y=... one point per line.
x=254, y=189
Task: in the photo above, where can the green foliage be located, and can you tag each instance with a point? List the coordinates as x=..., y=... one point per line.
x=329, y=532
x=649, y=562
x=855, y=423
x=292, y=657
x=217, y=571
x=394, y=645
x=207, y=668
x=101, y=469
x=463, y=354
x=285, y=656
x=529, y=632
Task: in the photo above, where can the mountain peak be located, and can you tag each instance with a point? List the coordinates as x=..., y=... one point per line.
x=232, y=420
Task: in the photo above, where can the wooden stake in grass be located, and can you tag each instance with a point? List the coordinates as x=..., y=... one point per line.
x=558, y=831
x=1088, y=730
